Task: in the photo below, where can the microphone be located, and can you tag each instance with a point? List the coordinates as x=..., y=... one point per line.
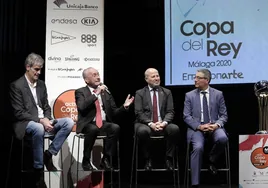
x=53, y=122
x=106, y=88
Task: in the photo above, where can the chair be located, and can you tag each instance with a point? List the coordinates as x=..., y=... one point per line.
x=80, y=136
x=47, y=137
x=135, y=156
x=227, y=168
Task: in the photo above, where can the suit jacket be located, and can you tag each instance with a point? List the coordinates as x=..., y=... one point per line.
x=24, y=106
x=144, y=108
x=192, y=109
x=85, y=102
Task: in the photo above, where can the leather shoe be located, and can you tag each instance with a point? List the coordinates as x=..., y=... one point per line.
x=41, y=183
x=169, y=165
x=212, y=169
x=105, y=164
x=86, y=165
x=148, y=164
x=39, y=178
x=48, y=161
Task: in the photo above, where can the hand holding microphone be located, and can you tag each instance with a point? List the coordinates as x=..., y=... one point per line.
x=101, y=88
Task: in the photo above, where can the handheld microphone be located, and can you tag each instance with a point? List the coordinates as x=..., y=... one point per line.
x=106, y=88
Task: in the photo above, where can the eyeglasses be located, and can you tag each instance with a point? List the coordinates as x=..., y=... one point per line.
x=36, y=69
x=199, y=77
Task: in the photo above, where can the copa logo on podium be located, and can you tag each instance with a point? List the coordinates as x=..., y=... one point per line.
x=259, y=157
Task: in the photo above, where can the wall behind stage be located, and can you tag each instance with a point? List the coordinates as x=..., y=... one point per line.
x=133, y=41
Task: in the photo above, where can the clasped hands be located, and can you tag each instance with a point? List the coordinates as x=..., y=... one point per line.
x=158, y=126
x=47, y=124
x=209, y=127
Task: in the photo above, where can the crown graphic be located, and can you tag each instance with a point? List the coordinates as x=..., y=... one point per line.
x=59, y=2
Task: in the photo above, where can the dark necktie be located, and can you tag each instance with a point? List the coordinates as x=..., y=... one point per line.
x=98, y=113
x=205, y=108
x=155, y=114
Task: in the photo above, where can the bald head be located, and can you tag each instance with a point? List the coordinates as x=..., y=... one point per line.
x=150, y=71
x=152, y=77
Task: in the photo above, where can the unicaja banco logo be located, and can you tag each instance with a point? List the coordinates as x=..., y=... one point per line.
x=59, y=2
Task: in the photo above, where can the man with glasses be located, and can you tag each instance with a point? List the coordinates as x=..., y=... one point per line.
x=32, y=117
x=205, y=114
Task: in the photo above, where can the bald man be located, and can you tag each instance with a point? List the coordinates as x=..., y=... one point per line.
x=154, y=115
x=96, y=110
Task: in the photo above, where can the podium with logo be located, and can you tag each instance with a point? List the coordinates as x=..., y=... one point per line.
x=253, y=161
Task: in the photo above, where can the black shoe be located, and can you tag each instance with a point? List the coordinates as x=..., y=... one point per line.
x=39, y=178
x=212, y=169
x=169, y=165
x=48, y=161
x=86, y=165
x=105, y=164
x=195, y=186
x=41, y=183
x=148, y=165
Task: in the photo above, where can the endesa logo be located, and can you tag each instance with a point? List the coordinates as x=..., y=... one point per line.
x=89, y=21
x=64, y=21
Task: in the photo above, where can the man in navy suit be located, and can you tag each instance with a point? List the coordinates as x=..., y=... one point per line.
x=205, y=114
x=32, y=116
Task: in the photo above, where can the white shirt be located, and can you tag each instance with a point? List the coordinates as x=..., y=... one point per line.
x=103, y=114
x=33, y=90
x=201, y=100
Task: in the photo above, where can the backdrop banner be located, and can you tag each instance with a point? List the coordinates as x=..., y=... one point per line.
x=74, y=41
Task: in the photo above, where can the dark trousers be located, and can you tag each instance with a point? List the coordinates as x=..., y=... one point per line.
x=171, y=133
x=91, y=132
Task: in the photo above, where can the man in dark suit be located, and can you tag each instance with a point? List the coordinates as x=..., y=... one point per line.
x=32, y=116
x=96, y=111
x=154, y=114
x=205, y=114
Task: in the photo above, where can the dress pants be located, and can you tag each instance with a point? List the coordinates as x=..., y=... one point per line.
x=219, y=139
x=171, y=133
x=91, y=132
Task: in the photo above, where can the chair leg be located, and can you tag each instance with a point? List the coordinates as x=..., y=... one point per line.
x=119, y=168
x=111, y=173
x=186, y=173
x=62, y=171
x=228, y=165
x=174, y=173
x=177, y=164
x=77, y=163
x=132, y=163
x=137, y=161
x=9, y=162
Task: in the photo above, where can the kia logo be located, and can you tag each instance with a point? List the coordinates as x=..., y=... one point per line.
x=89, y=21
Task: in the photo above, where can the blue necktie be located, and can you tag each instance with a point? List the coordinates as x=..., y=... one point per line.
x=205, y=108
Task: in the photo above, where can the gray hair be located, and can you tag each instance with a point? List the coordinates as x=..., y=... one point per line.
x=34, y=59
x=207, y=74
x=85, y=71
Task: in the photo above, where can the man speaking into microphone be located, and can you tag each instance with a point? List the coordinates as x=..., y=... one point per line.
x=96, y=109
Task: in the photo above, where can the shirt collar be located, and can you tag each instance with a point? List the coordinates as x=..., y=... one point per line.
x=207, y=90
x=151, y=89
x=91, y=89
x=33, y=85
